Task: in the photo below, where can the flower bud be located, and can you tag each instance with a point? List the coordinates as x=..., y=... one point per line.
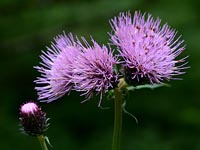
x=33, y=120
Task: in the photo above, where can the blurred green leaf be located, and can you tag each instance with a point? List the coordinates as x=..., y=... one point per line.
x=147, y=86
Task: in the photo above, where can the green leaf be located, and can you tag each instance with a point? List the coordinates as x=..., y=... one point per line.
x=128, y=113
x=47, y=140
x=110, y=95
x=147, y=86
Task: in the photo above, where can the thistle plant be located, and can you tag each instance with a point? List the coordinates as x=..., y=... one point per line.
x=148, y=54
x=33, y=122
x=142, y=54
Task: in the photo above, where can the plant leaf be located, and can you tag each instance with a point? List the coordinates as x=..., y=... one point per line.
x=147, y=86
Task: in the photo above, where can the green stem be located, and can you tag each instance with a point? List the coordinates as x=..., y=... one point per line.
x=116, y=143
x=41, y=139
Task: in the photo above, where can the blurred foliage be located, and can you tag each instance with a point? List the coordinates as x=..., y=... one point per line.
x=168, y=117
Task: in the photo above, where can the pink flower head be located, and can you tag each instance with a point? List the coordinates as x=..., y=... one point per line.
x=29, y=108
x=148, y=49
x=56, y=68
x=94, y=70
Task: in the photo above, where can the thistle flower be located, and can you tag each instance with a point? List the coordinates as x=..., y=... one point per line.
x=56, y=68
x=94, y=70
x=148, y=49
x=32, y=119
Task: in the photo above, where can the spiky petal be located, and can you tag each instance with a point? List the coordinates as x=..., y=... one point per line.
x=148, y=49
x=56, y=68
x=94, y=70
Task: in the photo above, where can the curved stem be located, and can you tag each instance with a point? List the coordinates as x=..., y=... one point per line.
x=116, y=143
x=41, y=139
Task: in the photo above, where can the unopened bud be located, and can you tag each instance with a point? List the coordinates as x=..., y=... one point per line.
x=32, y=119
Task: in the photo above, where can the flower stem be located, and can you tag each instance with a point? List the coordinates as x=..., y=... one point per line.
x=116, y=143
x=41, y=139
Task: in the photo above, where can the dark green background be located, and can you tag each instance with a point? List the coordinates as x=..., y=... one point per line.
x=169, y=118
